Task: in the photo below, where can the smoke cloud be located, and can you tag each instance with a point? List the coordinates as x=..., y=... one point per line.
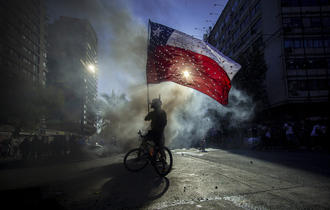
x=187, y=110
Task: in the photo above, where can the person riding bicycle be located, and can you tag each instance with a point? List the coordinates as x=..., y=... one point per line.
x=158, y=122
x=152, y=149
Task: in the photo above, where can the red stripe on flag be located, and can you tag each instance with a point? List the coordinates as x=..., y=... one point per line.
x=168, y=63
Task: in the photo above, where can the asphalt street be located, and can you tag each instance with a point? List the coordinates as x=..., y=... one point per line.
x=216, y=179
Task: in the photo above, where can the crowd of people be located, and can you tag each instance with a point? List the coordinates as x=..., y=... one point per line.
x=293, y=135
x=288, y=135
x=36, y=147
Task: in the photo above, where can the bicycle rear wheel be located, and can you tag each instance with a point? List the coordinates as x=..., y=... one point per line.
x=135, y=160
x=164, y=162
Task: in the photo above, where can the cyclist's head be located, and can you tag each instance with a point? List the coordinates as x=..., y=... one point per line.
x=156, y=103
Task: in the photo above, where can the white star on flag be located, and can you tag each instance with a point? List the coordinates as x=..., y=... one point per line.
x=157, y=31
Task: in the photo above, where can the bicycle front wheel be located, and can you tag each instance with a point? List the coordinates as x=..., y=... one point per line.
x=135, y=160
x=164, y=162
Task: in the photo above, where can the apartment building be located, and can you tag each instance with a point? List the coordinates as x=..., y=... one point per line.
x=73, y=71
x=23, y=40
x=293, y=36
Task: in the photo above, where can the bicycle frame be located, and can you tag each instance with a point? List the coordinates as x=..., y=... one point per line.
x=148, y=147
x=147, y=153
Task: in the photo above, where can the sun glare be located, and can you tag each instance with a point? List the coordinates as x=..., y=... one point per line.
x=91, y=68
x=186, y=74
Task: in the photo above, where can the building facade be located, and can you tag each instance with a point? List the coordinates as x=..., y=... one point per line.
x=23, y=40
x=72, y=71
x=293, y=36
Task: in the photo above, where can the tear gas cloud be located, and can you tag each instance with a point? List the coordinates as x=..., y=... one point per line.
x=187, y=113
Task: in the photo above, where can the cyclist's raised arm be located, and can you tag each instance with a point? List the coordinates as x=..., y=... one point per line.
x=148, y=117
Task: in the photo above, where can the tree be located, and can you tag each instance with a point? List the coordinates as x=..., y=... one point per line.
x=108, y=107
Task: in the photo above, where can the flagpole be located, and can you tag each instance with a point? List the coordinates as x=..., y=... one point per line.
x=147, y=65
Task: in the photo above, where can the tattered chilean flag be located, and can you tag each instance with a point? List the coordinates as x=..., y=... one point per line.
x=180, y=58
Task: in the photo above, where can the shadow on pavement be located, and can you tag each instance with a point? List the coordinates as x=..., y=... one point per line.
x=112, y=187
x=28, y=198
x=133, y=190
x=107, y=187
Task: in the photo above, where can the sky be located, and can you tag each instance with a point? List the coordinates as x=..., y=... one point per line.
x=121, y=27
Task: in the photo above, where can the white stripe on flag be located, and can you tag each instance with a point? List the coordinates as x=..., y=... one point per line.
x=184, y=41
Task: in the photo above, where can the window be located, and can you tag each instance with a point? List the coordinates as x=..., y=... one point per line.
x=290, y=64
x=315, y=63
x=235, y=5
x=316, y=22
x=245, y=22
x=294, y=22
x=313, y=43
x=326, y=21
x=328, y=62
x=227, y=18
x=309, y=3
x=295, y=63
x=255, y=9
x=294, y=43
x=244, y=6
x=245, y=37
x=325, y=2
x=216, y=36
x=297, y=43
x=305, y=85
x=308, y=43
x=290, y=3
x=35, y=58
x=313, y=84
x=293, y=87
x=307, y=22
x=303, y=64
x=257, y=6
x=236, y=47
x=220, y=26
x=236, y=34
x=303, y=3
x=253, y=12
x=327, y=43
x=256, y=27
x=287, y=43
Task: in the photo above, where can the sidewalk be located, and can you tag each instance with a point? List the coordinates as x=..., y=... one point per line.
x=21, y=175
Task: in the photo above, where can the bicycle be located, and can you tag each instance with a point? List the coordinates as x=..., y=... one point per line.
x=138, y=158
